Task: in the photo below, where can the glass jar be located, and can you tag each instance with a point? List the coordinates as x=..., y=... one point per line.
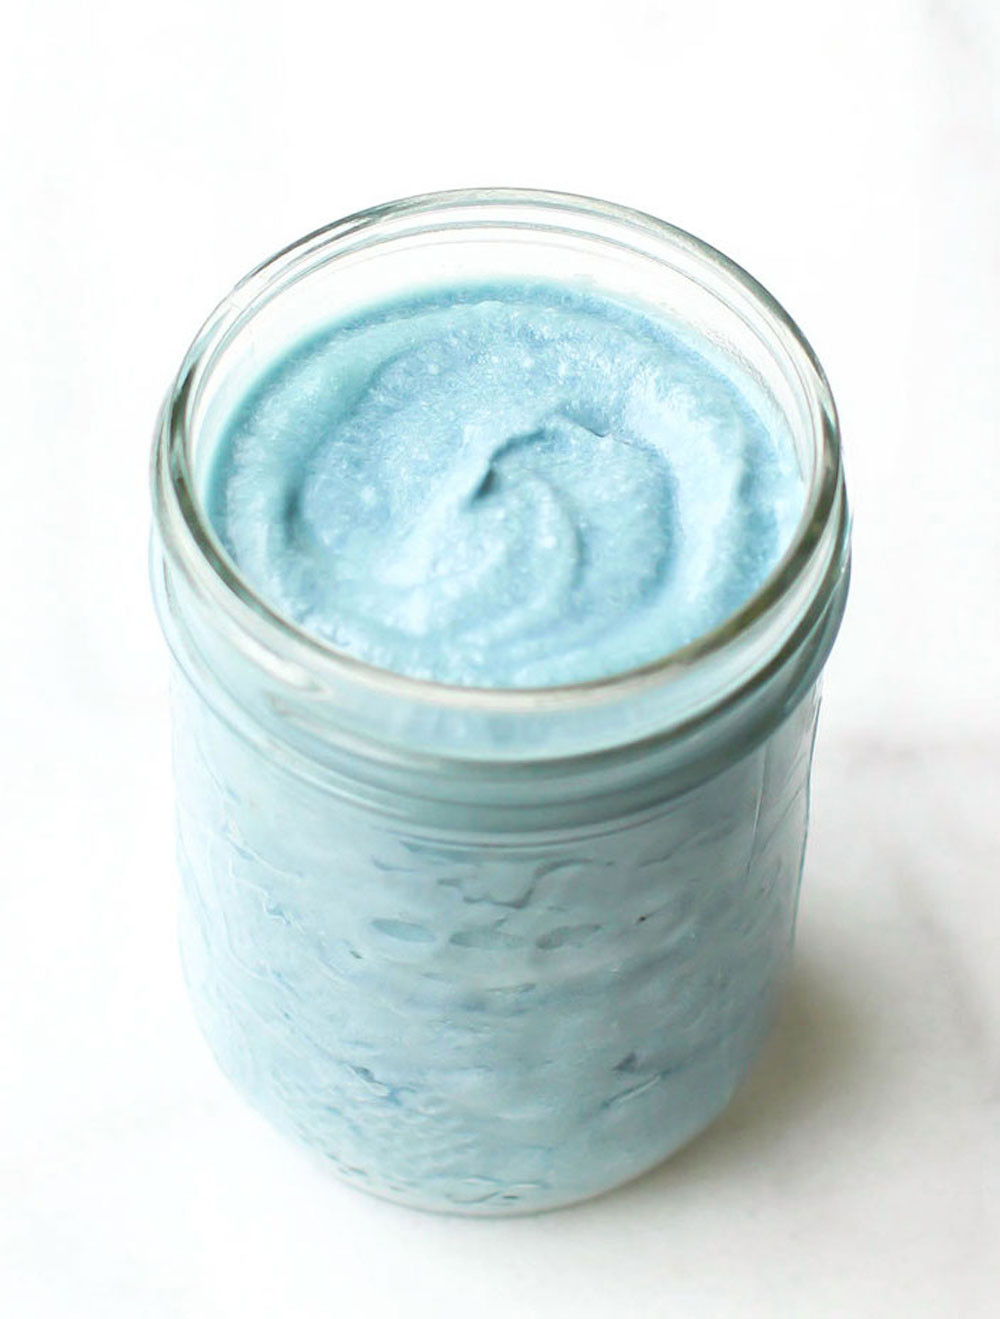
x=490, y=951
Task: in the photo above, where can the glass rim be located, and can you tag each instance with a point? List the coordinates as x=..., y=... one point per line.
x=191, y=541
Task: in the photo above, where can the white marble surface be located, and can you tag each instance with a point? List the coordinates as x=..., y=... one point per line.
x=850, y=156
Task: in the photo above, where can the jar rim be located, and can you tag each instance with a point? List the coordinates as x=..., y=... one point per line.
x=192, y=544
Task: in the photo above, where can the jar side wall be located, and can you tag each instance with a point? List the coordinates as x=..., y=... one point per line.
x=492, y=1024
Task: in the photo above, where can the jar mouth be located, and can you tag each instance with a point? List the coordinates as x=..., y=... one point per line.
x=814, y=560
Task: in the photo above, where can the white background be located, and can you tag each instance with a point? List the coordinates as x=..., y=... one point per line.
x=848, y=154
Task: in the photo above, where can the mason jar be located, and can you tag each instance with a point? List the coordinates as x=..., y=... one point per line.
x=490, y=950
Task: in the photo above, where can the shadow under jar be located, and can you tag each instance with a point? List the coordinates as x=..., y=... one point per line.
x=490, y=950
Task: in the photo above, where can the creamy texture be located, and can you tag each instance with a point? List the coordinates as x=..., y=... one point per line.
x=503, y=485
x=487, y=1025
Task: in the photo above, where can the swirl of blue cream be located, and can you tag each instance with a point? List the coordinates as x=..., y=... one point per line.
x=504, y=486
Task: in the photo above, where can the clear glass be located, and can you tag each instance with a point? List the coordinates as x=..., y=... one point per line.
x=490, y=950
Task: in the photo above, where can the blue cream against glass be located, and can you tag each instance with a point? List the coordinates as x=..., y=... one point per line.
x=498, y=486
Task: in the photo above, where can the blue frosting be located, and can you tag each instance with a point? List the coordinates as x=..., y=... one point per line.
x=503, y=485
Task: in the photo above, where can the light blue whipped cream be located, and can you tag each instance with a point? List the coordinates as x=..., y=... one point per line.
x=503, y=485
